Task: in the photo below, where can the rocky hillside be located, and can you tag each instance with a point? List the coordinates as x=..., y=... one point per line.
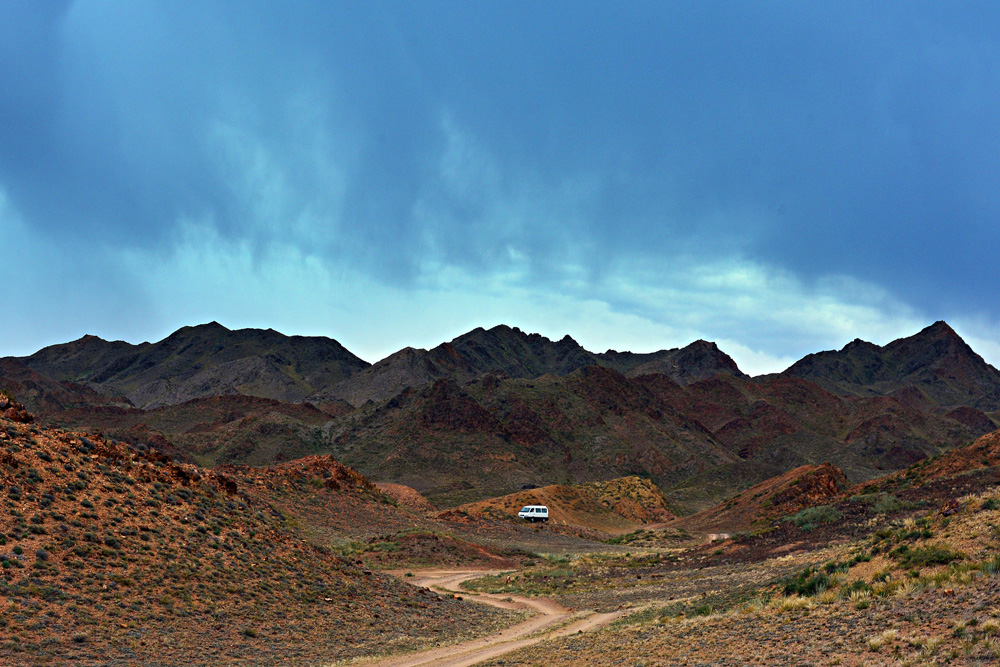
x=41, y=394
x=494, y=435
x=821, y=498
x=781, y=496
x=700, y=443
x=213, y=430
x=114, y=554
x=613, y=506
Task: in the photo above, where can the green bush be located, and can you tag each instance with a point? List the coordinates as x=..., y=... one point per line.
x=807, y=582
x=888, y=503
x=922, y=556
x=811, y=517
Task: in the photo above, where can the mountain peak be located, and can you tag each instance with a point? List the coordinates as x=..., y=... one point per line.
x=935, y=359
x=857, y=347
x=940, y=330
x=210, y=326
x=938, y=339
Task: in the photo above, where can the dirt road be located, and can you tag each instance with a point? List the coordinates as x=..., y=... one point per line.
x=550, y=621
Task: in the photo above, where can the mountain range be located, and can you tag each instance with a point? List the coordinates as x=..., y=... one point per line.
x=499, y=409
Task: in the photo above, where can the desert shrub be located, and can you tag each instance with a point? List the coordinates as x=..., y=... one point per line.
x=857, y=592
x=887, y=503
x=807, y=582
x=860, y=557
x=882, y=575
x=626, y=538
x=811, y=517
x=991, y=503
x=922, y=556
x=992, y=567
x=704, y=610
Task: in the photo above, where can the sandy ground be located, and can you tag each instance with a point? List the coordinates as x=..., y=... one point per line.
x=550, y=620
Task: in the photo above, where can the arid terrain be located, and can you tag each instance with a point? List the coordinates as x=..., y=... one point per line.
x=846, y=512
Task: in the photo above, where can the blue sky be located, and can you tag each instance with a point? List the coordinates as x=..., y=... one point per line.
x=778, y=177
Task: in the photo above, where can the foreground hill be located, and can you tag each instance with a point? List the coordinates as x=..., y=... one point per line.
x=767, y=501
x=116, y=555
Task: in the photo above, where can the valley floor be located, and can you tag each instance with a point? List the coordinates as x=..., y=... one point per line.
x=919, y=590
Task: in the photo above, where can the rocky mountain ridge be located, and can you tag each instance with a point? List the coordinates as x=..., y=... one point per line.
x=934, y=367
x=211, y=360
x=496, y=409
x=192, y=362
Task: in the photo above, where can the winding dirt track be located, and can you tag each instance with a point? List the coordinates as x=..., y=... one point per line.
x=551, y=621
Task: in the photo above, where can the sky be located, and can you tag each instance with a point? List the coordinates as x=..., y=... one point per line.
x=777, y=177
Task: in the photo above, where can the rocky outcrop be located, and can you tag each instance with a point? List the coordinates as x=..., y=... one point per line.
x=14, y=411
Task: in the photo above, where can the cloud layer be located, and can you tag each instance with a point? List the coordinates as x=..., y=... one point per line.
x=779, y=178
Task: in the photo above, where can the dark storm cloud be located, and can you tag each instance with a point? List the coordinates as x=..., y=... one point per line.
x=818, y=138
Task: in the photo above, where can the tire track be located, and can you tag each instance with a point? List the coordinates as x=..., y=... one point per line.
x=551, y=621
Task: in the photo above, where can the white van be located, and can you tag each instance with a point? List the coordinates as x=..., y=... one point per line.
x=534, y=513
